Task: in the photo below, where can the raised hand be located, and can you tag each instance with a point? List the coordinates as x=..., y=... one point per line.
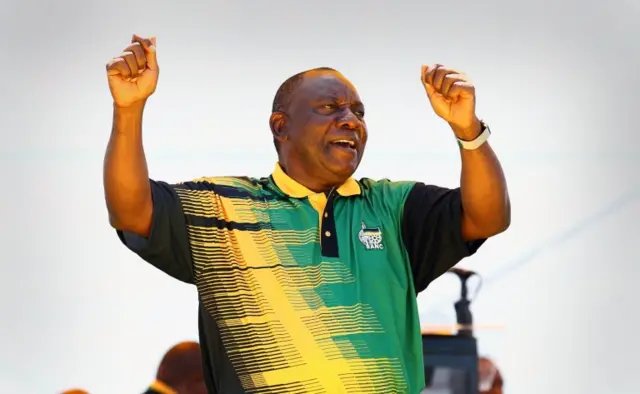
x=453, y=98
x=133, y=75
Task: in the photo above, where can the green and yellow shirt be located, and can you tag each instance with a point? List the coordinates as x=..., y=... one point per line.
x=304, y=292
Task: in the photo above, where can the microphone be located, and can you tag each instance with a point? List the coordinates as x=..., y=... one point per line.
x=463, y=313
x=463, y=275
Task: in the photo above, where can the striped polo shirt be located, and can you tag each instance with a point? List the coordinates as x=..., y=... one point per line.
x=304, y=292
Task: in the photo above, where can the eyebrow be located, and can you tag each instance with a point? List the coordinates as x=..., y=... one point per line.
x=337, y=98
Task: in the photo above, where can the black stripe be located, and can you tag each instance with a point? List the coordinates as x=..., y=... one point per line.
x=329, y=245
x=225, y=224
x=265, y=193
x=237, y=268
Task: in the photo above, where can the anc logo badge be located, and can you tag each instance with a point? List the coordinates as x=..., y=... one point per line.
x=371, y=238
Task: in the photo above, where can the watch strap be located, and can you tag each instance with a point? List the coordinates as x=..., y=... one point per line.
x=478, y=141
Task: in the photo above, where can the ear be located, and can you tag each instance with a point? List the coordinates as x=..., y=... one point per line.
x=277, y=122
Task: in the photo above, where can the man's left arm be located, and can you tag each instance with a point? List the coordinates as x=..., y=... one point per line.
x=485, y=199
x=483, y=189
x=442, y=226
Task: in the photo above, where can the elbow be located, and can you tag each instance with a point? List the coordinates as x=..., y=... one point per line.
x=492, y=228
x=504, y=222
x=492, y=225
x=115, y=223
x=503, y=225
x=136, y=224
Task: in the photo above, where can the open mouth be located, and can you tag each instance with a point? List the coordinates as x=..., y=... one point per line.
x=347, y=145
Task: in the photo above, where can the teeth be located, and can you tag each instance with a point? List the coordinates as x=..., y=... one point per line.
x=350, y=143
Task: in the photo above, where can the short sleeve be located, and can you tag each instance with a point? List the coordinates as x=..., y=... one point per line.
x=432, y=232
x=167, y=247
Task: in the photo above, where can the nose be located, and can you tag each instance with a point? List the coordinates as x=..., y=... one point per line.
x=349, y=121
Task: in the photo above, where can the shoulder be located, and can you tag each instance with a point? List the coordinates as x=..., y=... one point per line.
x=386, y=195
x=385, y=188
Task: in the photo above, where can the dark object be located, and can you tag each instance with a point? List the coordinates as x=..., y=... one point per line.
x=463, y=313
x=451, y=361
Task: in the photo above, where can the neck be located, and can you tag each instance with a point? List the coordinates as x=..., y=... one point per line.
x=311, y=182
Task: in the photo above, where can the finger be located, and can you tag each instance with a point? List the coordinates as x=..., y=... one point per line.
x=149, y=47
x=448, y=82
x=118, y=66
x=130, y=58
x=461, y=89
x=440, y=75
x=138, y=53
x=423, y=74
x=431, y=71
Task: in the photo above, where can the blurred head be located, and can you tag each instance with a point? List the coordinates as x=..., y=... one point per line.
x=489, y=377
x=318, y=128
x=75, y=391
x=181, y=369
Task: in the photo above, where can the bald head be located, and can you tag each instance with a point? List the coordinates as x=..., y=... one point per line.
x=181, y=365
x=490, y=377
x=282, y=98
x=75, y=391
x=287, y=89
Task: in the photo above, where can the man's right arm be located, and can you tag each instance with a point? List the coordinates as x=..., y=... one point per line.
x=132, y=77
x=148, y=215
x=126, y=177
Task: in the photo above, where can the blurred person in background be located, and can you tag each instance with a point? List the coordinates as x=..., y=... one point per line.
x=180, y=371
x=489, y=377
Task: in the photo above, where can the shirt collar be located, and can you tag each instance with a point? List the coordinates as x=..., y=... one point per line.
x=162, y=388
x=293, y=189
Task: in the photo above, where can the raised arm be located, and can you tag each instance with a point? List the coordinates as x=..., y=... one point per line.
x=486, y=208
x=147, y=214
x=133, y=76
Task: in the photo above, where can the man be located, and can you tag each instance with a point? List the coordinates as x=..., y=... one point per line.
x=489, y=377
x=307, y=278
x=180, y=371
x=75, y=391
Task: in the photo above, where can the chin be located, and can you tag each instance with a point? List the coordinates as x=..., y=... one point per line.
x=342, y=171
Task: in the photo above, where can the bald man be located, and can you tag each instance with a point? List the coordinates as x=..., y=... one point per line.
x=489, y=377
x=180, y=371
x=75, y=391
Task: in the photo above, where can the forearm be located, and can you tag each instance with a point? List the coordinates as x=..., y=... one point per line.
x=485, y=198
x=126, y=177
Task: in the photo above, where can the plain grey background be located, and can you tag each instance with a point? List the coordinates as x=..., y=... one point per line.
x=556, y=80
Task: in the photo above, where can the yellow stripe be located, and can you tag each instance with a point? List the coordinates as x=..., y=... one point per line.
x=281, y=297
x=276, y=328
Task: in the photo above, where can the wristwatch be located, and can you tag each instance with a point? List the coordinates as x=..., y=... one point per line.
x=478, y=141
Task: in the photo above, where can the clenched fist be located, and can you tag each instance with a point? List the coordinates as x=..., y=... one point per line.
x=453, y=98
x=133, y=75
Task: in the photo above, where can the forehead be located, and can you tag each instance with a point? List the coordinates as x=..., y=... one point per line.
x=325, y=84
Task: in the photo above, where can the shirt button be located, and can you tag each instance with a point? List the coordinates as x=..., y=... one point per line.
x=327, y=233
x=326, y=215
